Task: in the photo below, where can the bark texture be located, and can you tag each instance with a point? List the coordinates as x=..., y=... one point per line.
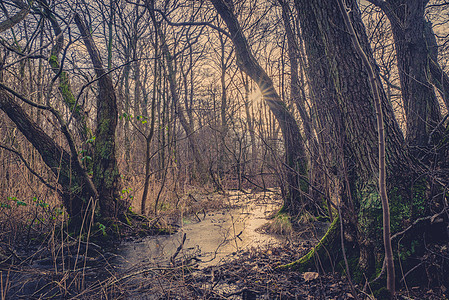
x=413, y=58
x=346, y=116
x=106, y=175
x=17, y=18
x=375, y=89
x=296, y=160
x=75, y=193
x=64, y=82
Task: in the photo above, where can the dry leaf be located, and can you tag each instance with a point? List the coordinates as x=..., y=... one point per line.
x=309, y=276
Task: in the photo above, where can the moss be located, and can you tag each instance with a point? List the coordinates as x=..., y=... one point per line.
x=66, y=91
x=110, y=177
x=105, y=150
x=283, y=210
x=419, y=200
x=64, y=85
x=280, y=224
x=407, y=203
x=128, y=221
x=370, y=212
x=115, y=228
x=67, y=95
x=103, y=126
x=54, y=62
x=323, y=218
x=319, y=253
x=75, y=189
x=402, y=210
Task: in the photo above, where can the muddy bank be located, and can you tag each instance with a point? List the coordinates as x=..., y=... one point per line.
x=225, y=255
x=252, y=274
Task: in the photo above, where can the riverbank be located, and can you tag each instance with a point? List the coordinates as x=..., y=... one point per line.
x=218, y=253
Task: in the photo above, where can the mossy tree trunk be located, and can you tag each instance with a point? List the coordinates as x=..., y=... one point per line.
x=323, y=254
x=375, y=90
x=106, y=175
x=64, y=82
x=342, y=96
x=295, y=201
x=75, y=190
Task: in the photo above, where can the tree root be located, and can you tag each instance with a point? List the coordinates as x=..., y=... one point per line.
x=322, y=252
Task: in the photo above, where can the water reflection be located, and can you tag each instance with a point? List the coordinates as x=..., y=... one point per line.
x=210, y=237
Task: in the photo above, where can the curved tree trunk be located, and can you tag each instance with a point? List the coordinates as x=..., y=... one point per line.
x=296, y=160
x=106, y=175
x=64, y=82
x=75, y=192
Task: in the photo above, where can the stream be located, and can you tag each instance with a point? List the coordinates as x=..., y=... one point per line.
x=210, y=237
x=152, y=266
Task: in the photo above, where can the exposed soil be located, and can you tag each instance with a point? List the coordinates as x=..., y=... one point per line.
x=251, y=274
x=88, y=271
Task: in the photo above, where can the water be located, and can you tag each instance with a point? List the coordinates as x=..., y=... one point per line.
x=210, y=237
x=143, y=269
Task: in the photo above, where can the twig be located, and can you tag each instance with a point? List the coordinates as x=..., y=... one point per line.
x=431, y=218
x=172, y=259
x=27, y=165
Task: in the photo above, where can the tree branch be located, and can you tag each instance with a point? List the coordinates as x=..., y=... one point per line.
x=65, y=131
x=164, y=16
x=11, y=22
x=27, y=165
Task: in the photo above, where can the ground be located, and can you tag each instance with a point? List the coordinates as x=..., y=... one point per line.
x=46, y=268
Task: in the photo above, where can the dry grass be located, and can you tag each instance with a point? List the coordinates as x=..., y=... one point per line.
x=39, y=259
x=280, y=224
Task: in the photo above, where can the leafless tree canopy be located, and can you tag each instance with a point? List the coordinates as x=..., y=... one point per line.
x=115, y=111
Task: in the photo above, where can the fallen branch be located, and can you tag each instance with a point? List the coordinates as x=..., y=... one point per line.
x=419, y=220
x=172, y=259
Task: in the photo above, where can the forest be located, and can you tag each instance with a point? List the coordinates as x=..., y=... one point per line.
x=224, y=149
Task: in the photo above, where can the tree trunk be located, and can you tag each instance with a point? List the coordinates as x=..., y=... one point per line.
x=298, y=95
x=201, y=169
x=149, y=137
x=75, y=191
x=223, y=107
x=64, y=82
x=420, y=103
x=106, y=175
x=375, y=89
x=345, y=108
x=250, y=120
x=296, y=160
x=17, y=18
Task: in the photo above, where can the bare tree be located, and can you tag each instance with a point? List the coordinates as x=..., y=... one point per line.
x=421, y=106
x=296, y=160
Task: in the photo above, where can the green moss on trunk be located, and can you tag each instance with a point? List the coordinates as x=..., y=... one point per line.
x=321, y=253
